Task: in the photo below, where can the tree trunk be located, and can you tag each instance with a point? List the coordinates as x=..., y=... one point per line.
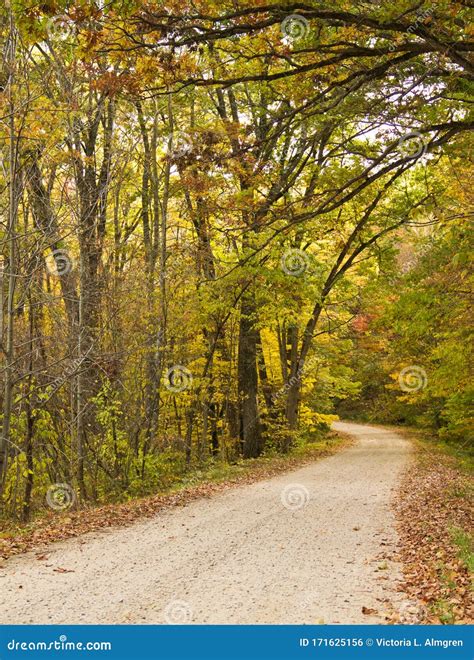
x=13, y=187
x=296, y=379
x=45, y=220
x=93, y=189
x=248, y=379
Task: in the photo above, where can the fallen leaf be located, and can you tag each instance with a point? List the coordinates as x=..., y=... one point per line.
x=368, y=610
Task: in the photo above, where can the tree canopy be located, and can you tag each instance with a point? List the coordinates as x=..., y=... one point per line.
x=222, y=223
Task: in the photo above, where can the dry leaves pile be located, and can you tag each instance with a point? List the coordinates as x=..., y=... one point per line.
x=435, y=499
x=56, y=526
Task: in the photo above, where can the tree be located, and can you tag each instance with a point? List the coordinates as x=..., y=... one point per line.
x=201, y=205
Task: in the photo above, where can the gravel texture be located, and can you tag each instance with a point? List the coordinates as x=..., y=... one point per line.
x=304, y=547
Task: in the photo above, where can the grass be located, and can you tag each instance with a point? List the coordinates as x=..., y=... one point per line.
x=444, y=611
x=462, y=455
x=465, y=544
x=219, y=471
x=462, y=458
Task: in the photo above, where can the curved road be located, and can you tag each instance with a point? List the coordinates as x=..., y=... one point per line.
x=303, y=547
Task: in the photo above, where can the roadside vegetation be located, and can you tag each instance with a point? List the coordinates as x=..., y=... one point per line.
x=214, y=477
x=435, y=512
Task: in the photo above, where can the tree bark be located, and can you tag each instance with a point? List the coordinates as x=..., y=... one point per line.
x=46, y=222
x=248, y=379
x=13, y=188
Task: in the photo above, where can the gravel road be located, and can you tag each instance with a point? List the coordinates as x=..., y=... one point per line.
x=304, y=547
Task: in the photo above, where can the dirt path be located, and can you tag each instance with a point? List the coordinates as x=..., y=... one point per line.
x=299, y=548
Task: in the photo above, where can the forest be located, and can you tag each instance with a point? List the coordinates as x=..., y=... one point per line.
x=223, y=225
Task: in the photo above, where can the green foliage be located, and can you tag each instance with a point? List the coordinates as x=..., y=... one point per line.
x=423, y=322
x=465, y=542
x=155, y=473
x=204, y=227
